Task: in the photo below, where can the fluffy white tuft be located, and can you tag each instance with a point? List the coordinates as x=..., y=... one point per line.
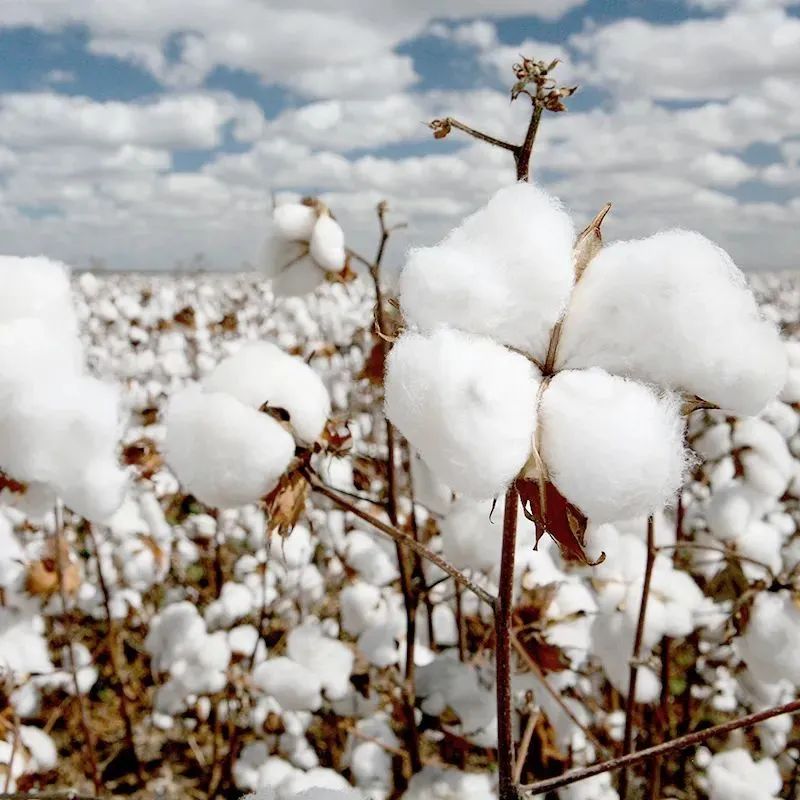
x=294, y=221
x=262, y=373
x=327, y=244
x=612, y=446
x=506, y=272
x=467, y=404
x=674, y=309
x=224, y=452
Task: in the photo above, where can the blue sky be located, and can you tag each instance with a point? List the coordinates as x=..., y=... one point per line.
x=141, y=133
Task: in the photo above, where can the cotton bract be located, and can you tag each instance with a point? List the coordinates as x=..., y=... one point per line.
x=304, y=244
x=671, y=311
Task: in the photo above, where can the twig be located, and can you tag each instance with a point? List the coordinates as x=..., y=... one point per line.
x=91, y=746
x=114, y=648
x=666, y=748
x=522, y=155
x=450, y=122
x=12, y=756
x=525, y=744
x=730, y=555
x=65, y=795
x=507, y=789
x=535, y=668
x=400, y=536
x=630, y=703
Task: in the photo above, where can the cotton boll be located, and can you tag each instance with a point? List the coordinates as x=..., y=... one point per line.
x=330, y=660
x=294, y=687
x=449, y=784
x=262, y=373
x=505, y=273
x=467, y=404
x=770, y=644
x=327, y=244
x=37, y=287
x=295, y=221
x=223, y=452
x=292, y=270
x=733, y=775
x=362, y=606
x=674, y=309
x=612, y=446
x=470, y=540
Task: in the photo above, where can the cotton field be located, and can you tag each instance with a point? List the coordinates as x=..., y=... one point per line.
x=176, y=649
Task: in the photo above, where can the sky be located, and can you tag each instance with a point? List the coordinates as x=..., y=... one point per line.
x=150, y=134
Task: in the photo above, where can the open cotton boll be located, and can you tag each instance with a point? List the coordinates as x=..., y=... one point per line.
x=261, y=373
x=294, y=687
x=449, y=784
x=222, y=451
x=506, y=272
x=294, y=221
x=612, y=446
x=329, y=659
x=733, y=775
x=467, y=404
x=37, y=287
x=674, y=309
x=327, y=244
x=291, y=268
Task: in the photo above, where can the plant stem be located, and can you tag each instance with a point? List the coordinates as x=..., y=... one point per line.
x=114, y=648
x=522, y=155
x=682, y=742
x=91, y=745
x=484, y=137
x=404, y=538
x=630, y=704
x=502, y=626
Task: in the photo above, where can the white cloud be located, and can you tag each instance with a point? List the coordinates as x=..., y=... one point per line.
x=694, y=59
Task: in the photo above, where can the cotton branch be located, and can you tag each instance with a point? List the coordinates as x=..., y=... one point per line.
x=533, y=81
x=681, y=743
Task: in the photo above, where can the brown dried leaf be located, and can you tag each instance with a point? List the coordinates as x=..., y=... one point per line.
x=375, y=365
x=548, y=657
x=336, y=438
x=589, y=242
x=286, y=502
x=186, y=316
x=552, y=513
x=13, y=486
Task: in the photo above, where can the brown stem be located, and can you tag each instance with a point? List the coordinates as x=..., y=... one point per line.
x=630, y=704
x=14, y=747
x=507, y=789
x=730, y=555
x=682, y=742
x=462, y=631
x=404, y=538
x=525, y=744
x=91, y=745
x=476, y=134
x=116, y=665
x=522, y=155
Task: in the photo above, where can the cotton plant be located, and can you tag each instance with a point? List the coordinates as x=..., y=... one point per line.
x=59, y=426
x=734, y=775
x=528, y=356
x=305, y=245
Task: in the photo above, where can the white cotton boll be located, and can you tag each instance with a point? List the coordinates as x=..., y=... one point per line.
x=374, y=559
x=436, y=783
x=598, y=787
x=330, y=660
x=37, y=287
x=770, y=644
x=294, y=687
x=674, y=309
x=292, y=270
x=714, y=442
x=505, y=273
x=429, y=491
x=318, y=783
x=467, y=404
x=782, y=417
x=223, y=452
x=731, y=509
x=379, y=644
x=470, y=539
x=733, y=775
x=327, y=244
x=262, y=373
x=759, y=436
x=612, y=446
x=362, y=605
x=42, y=752
x=295, y=221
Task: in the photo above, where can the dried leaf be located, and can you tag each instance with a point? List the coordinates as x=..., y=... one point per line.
x=552, y=513
x=548, y=657
x=286, y=502
x=186, y=316
x=143, y=454
x=589, y=242
x=13, y=486
x=375, y=365
x=41, y=579
x=336, y=438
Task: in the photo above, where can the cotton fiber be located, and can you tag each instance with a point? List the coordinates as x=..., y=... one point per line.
x=262, y=374
x=733, y=775
x=467, y=404
x=674, y=309
x=327, y=244
x=612, y=446
x=224, y=452
x=506, y=272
